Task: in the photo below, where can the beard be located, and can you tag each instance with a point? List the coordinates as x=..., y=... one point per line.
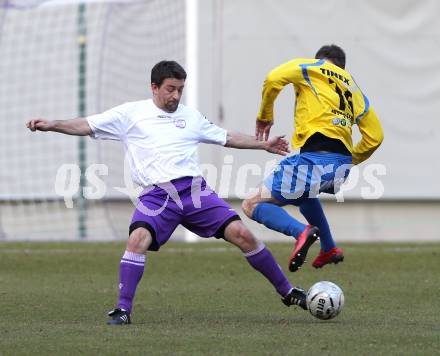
x=171, y=106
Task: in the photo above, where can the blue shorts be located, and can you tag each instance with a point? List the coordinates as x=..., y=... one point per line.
x=307, y=174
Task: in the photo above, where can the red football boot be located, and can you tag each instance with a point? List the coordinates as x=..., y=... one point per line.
x=302, y=245
x=335, y=255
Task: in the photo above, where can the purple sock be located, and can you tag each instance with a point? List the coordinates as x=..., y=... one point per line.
x=130, y=273
x=263, y=261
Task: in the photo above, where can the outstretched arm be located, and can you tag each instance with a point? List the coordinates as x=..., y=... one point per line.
x=76, y=127
x=276, y=144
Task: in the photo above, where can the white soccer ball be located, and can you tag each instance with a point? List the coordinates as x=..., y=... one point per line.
x=325, y=300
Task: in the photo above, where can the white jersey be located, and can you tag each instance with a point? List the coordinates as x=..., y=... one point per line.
x=159, y=146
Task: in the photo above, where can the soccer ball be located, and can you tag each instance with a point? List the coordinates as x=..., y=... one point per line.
x=325, y=300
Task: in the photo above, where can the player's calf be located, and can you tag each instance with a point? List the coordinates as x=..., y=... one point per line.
x=239, y=235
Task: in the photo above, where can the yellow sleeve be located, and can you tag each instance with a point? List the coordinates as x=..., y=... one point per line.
x=275, y=81
x=372, y=136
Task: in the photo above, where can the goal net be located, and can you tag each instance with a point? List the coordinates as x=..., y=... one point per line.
x=60, y=60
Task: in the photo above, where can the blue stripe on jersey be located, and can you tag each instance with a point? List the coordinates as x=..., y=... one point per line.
x=306, y=74
x=366, y=103
x=367, y=107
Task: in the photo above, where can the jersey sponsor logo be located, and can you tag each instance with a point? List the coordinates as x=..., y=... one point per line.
x=330, y=73
x=347, y=116
x=337, y=121
x=180, y=123
x=164, y=116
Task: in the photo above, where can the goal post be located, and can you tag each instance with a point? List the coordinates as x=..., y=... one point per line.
x=192, y=67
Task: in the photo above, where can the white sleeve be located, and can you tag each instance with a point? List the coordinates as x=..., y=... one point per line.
x=108, y=125
x=211, y=133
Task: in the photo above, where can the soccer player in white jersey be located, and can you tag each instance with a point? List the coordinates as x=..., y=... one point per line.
x=160, y=137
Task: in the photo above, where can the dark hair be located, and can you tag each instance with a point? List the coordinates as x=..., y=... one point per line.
x=332, y=52
x=166, y=69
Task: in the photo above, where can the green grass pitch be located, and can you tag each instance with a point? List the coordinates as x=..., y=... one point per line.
x=204, y=299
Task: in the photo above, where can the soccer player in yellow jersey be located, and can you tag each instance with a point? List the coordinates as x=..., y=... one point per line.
x=328, y=104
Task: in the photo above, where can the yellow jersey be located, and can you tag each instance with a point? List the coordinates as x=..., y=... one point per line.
x=328, y=101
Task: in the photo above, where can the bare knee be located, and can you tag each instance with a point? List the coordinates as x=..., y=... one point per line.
x=263, y=195
x=139, y=240
x=248, y=206
x=239, y=235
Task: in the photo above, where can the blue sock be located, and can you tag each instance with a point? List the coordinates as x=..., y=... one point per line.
x=312, y=210
x=276, y=218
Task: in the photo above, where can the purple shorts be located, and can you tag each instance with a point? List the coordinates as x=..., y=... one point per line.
x=188, y=201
